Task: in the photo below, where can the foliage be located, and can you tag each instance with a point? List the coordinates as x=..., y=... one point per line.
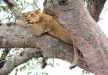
x=85, y=72
x=5, y=52
x=88, y=3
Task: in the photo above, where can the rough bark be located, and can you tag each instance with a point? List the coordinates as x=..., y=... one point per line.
x=18, y=37
x=88, y=37
x=95, y=7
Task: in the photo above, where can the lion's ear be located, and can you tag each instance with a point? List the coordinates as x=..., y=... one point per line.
x=37, y=11
x=24, y=14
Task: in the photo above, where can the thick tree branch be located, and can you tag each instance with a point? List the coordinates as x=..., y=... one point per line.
x=16, y=36
x=16, y=60
x=28, y=53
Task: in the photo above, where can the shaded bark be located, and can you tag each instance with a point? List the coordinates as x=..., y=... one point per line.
x=95, y=7
x=88, y=37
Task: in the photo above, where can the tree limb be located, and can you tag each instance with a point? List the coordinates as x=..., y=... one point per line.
x=15, y=36
x=28, y=53
x=16, y=60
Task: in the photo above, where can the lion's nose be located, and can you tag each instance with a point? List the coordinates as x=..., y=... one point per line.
x=28, y=20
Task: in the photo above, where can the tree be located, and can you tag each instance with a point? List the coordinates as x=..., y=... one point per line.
x=95, y=7
x=86, y=36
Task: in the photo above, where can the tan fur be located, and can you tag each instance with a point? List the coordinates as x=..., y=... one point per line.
x=42, y=23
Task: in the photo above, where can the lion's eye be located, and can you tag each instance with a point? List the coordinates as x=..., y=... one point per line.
x=31, y=14
x=25, y=15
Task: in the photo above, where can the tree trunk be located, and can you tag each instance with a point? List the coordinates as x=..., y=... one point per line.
x=95, y=7
x=86, y=33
